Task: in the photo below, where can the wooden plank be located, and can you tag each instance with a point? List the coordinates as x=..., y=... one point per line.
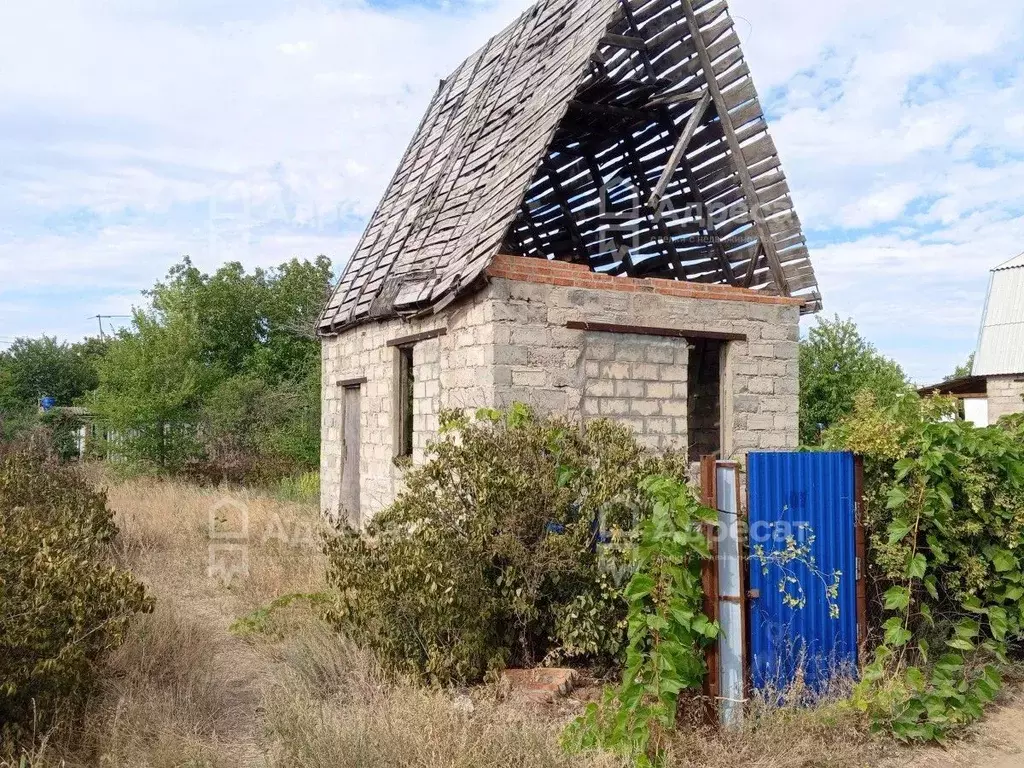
x=624, y=41
x=736, y=151
x=679, y=150
x=645, y=330
x=415, y=338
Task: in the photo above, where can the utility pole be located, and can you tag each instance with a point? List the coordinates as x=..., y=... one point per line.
x=100, y=318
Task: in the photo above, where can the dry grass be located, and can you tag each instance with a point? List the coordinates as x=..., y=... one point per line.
x=184, y=691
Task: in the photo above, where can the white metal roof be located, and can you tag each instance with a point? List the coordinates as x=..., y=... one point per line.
x=1013, y=263
x=1001, y=344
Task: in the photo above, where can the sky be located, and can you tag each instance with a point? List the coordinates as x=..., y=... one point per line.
x=134, y=132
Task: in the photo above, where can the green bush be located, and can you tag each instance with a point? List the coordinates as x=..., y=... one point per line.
x=944, y=507
x=490, y=556
x=63, y=603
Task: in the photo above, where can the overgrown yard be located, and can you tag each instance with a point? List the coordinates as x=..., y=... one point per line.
x=186, y=691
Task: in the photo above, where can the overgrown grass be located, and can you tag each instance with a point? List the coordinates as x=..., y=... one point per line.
x=184, y=691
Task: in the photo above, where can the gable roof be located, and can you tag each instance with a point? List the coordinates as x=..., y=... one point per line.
x=1001, y=344
x=589, y=131
x=1017, y=261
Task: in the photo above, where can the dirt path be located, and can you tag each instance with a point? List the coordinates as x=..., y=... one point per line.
x=997, y=742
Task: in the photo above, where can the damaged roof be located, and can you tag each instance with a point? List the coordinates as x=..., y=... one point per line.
x=622, y=134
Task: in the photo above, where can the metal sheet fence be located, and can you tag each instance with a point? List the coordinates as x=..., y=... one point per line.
x=802, y=503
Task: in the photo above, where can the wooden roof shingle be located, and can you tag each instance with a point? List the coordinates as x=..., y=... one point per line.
x=590, y=131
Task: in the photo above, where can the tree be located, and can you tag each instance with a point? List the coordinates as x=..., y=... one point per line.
x=43, y=367
x=962, y=371
x=151, y=387
x=836, y=363
x=221, y=370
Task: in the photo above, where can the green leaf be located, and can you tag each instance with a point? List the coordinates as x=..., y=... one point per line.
x=960, y=643
x=640, y=585
x=897, y=598
x=897, y=497
x=917, y=566
x=899, y=529
x=896, y=634
x=1003, y=560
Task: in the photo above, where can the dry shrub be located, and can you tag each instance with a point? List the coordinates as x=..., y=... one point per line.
x=63, y=604
x=790, y=728
x=334, y=711
x=161, y=694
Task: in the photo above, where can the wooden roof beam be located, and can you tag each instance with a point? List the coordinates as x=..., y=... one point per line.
x=679, y=150
x=628, y=42
x=736, y=151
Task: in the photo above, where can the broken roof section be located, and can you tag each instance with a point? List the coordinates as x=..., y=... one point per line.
x=623, y=134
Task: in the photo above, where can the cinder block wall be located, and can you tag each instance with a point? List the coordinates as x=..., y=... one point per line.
x=509, y=342
x=450, y=371
x=1005, y=396
x=639, y=378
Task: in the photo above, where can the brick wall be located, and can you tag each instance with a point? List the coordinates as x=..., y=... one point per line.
x=509, y=342
x=1005, y=396
x=538, y=359
x=640, y=381
x=450, y=372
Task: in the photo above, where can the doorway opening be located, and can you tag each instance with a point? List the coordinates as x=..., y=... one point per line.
x=704, y=401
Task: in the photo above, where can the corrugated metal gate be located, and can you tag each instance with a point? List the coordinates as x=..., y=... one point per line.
x=803, y=503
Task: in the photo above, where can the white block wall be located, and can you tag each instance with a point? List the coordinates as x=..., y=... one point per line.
x=509, y=343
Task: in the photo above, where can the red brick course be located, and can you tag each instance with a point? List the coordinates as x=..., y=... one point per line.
x=535, y=270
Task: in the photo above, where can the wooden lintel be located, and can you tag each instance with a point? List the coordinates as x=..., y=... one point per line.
x=679, y=150
x=352, y=382
x=646, y=330
x=405, y=341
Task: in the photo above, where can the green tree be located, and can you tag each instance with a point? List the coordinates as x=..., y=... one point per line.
x=44, y=367
x=962, y=371
x=34, y=368
x=836, y=363
x=222, y=369
x=151, y=387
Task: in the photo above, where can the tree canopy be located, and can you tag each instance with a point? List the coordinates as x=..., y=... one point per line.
x=963, y=370
x=220, y=371
x=836, y=363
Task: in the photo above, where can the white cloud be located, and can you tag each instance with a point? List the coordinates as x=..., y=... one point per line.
x=144, y=130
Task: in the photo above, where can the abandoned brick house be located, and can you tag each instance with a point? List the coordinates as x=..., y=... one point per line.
x=592, y=219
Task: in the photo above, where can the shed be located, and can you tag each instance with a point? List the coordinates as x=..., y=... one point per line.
x=591, y=218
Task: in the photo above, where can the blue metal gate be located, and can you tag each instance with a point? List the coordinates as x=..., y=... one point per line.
x=803, y=567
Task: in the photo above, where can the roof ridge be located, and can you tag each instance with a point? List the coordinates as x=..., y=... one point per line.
x=520, y=145
x=1016, y=261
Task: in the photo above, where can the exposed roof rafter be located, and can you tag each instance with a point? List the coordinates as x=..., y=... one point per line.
x=624, y=134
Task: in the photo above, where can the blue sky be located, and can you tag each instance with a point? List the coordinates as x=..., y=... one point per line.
x=134, y=132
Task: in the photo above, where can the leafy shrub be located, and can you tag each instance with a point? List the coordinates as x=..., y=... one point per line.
x=62, y=602
x=490, y=556
x=945, y=512
x=667, y=630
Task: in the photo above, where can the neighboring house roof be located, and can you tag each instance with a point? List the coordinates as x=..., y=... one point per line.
x=1017, y=261
x=966, y=386
x=1001, y=344
x=582, y=118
